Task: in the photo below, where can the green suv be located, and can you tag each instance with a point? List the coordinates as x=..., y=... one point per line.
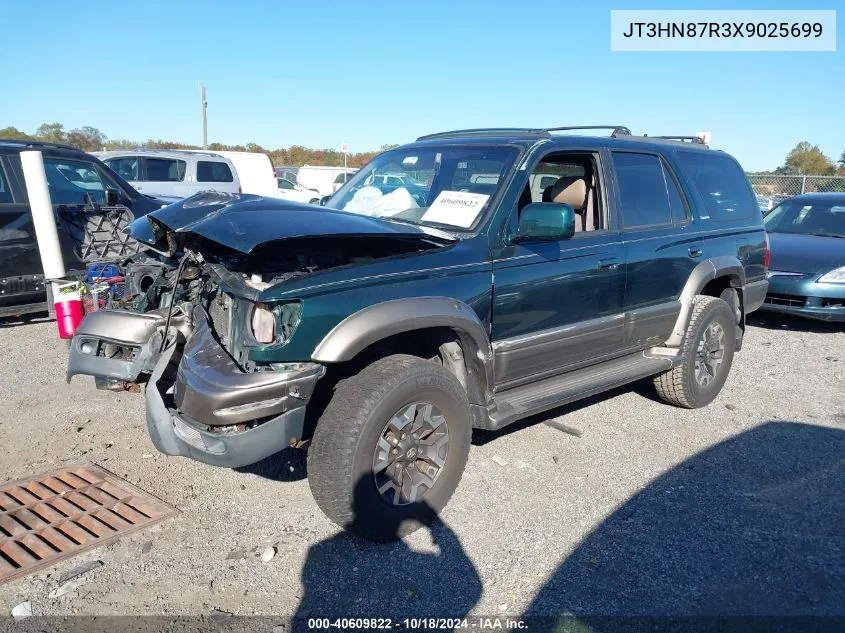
x=524, y=269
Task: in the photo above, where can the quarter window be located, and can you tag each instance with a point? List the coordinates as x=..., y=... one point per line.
x=164, y=170
x=722, y=183
x=642, y=190
x=213, y=171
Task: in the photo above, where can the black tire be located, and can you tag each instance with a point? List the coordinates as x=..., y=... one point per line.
x=680, y=386
x=341, y=455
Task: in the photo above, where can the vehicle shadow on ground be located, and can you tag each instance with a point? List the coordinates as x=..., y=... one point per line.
x=750, y=527
x=24, y=319
x=287, y=465
x=347, y=577
x=774, y=321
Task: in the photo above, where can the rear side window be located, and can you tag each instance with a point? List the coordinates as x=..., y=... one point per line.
x=721, y=183
x=213, y=171
x=164, y=170
x=127, y=168
x=642, y=190
x=5, y=191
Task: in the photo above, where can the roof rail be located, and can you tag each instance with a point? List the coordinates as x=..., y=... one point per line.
x=695, y=140
x=618, y=130
x=208, y=152
x=37, y=143
x=490, y=131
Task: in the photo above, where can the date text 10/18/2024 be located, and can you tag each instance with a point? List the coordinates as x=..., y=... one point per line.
x=411, y=624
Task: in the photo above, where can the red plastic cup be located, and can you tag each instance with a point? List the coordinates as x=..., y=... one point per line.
x=68, y=316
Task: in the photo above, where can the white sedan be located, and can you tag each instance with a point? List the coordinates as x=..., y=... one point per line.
x=297, y=193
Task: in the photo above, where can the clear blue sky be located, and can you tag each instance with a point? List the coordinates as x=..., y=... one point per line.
x=320, y=73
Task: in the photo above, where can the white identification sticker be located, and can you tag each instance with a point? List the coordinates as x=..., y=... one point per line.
x=457, y=208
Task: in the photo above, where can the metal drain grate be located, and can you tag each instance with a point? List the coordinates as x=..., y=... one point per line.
x=49, y=518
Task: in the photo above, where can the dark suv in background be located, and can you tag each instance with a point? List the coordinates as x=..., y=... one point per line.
x=92, y=204
x=522, y=270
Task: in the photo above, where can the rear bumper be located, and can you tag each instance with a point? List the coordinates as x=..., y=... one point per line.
x=219, y=414
x=754, y=295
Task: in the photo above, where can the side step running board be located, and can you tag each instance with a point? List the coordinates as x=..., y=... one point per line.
x=522, y=402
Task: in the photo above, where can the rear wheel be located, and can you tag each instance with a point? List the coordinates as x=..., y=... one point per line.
x=390, y=448
x=707, y=355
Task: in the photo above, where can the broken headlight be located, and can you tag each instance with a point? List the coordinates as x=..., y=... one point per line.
x=274, y=323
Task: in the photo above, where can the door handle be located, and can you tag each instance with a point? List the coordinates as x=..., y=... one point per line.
x=608, y=264
x=695, y=252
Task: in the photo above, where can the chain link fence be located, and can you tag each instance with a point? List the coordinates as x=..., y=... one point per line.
x=771, y=189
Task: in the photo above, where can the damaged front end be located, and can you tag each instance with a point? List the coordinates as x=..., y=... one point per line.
x=205, y=398
x=196, y=329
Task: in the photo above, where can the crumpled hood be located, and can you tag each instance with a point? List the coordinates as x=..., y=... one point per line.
x=799, y=253
x=244, y=221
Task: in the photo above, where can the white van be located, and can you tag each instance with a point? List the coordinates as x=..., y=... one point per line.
x=173, y=173
x=255, y=171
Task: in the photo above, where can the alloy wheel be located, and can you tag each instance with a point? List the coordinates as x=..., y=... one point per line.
x=410, y=453
x=709, y=354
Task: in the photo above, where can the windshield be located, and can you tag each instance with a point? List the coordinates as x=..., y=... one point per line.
x=448, y=187
x=809, y=217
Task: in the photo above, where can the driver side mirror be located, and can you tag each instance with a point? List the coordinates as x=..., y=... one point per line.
x=545, y=222
x=323, y=201
x=111, y=197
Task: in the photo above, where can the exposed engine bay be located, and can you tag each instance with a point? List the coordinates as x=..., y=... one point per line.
x=150, y=281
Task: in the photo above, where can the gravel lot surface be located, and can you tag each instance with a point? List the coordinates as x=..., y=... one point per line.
x=738, y=508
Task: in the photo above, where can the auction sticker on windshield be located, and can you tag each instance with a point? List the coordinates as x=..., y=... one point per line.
x=457, y=208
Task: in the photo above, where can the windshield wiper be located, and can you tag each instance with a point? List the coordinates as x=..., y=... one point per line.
x=839, y=235
x=446, y=229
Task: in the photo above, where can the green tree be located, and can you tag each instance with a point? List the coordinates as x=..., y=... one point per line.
x=53, y=132
x=842, y=160
x=14, y=133
x=807, y=159
x=87, y=138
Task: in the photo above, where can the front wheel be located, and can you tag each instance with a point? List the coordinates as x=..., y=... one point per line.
x=706, y=356
x=390, y=448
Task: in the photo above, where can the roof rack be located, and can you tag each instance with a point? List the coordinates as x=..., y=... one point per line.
x=36, y=143
x=618, y=130
x=491, y=131
x=695, y=140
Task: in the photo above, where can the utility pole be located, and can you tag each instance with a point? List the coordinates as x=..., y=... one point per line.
x=204, y=102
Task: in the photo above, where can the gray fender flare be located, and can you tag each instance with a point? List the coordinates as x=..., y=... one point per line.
x=706, y=271
x=374, y=323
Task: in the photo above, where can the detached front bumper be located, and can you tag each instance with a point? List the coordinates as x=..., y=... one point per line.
x=208, y=409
